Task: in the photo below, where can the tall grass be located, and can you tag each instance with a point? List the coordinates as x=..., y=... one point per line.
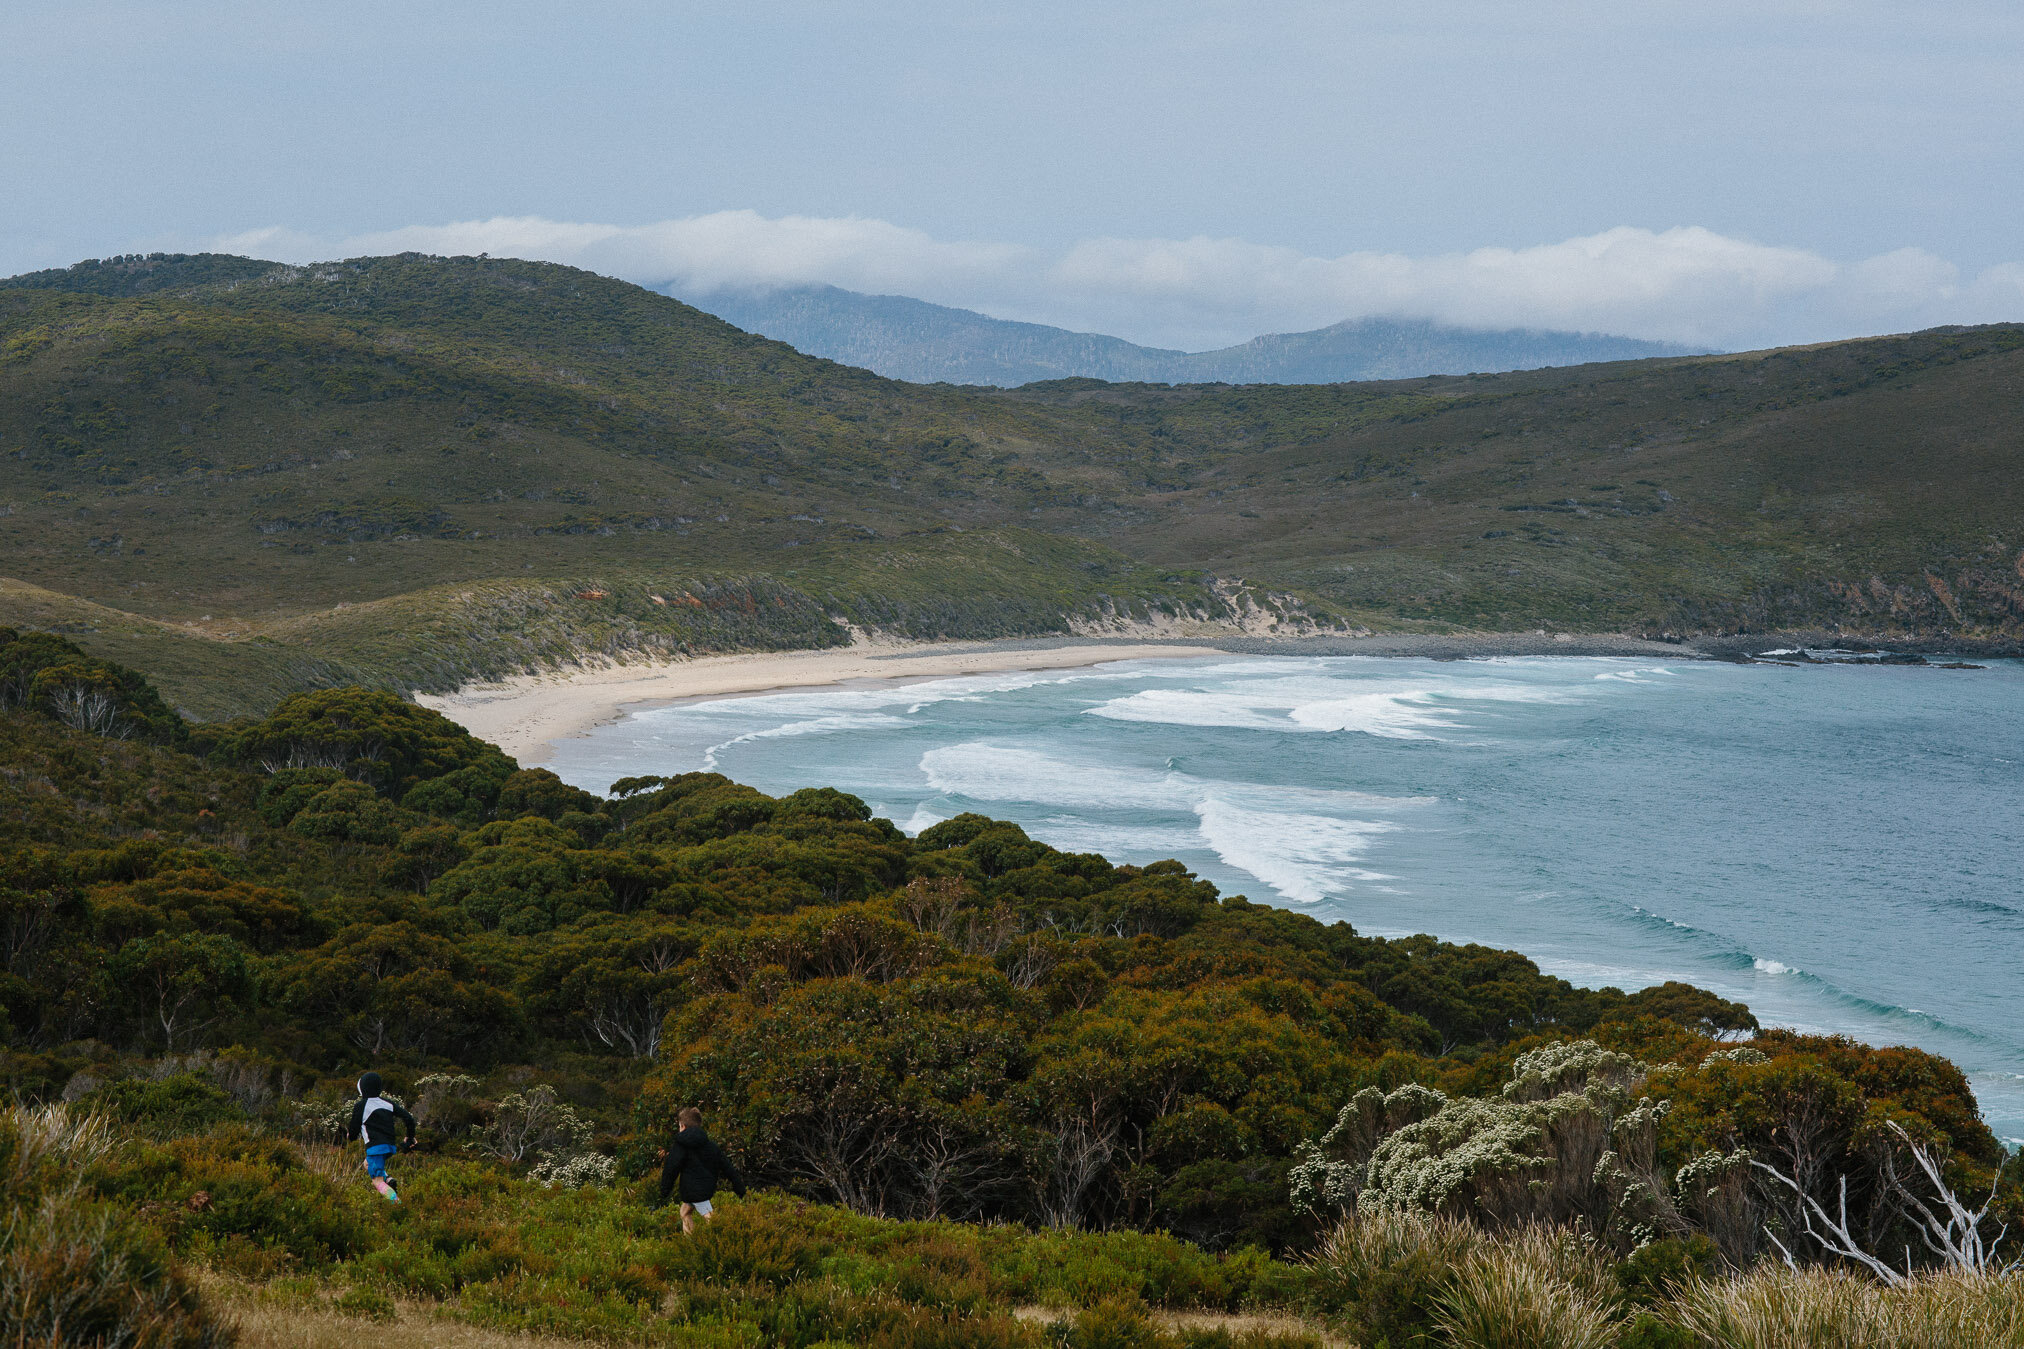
x=1786, y=1309
x=1417, y=1279
x=1373, y=1243
x=478, y=1245
x=75, y=1270
x=49, y=1147
x=1502, y=1299
x=1384, y=1271
x=1406, y=1277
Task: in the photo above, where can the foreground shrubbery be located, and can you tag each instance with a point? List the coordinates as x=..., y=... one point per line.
x=202, y=942
x=501, y=1250
x=74, y=1267
x=483, y=1244
x=1409, y=1278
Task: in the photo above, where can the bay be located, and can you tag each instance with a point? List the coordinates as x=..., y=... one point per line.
x=1838, y=846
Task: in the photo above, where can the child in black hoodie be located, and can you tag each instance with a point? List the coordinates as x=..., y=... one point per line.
x=698, y=1163
x=372, y=1123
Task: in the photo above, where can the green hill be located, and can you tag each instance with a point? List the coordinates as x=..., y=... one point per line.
x=411, y=470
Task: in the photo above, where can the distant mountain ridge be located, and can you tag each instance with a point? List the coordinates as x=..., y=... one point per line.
x=925, y=343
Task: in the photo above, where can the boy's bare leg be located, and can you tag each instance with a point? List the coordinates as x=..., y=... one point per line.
x=688, y=1220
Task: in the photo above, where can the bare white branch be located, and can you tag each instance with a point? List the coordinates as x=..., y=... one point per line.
x=1950, y=1229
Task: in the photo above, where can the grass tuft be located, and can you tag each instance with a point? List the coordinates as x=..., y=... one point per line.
x=1509, y=1296
x=1786, y=1309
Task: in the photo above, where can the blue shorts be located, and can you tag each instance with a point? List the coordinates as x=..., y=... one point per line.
x=376, y=1160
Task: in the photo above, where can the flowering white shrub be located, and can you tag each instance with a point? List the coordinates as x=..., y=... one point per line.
x=533, y=1124
x=573, y=1173
x=1566, y=1141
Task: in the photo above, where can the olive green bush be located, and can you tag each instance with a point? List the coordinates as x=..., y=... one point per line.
x=76, y=1269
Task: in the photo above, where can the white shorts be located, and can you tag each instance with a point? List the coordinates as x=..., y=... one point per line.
x=701, y=1206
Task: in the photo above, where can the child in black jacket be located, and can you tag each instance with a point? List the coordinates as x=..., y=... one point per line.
x=697, y=1163
x=372, y=1122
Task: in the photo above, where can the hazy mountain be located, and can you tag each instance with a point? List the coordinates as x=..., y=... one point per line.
x=929, y=343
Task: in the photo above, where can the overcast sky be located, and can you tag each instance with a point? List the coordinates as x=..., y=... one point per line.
x=1179, y=173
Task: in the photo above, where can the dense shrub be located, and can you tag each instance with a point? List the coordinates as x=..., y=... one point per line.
x=76, y=1273
x=54, y=677
x=75, y=1269
x=374, y=736
x=182, y=1103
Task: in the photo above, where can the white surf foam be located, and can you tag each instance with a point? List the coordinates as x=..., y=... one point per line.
x=1119, y=843
x=985, y=772
x=801, y=703
x=924, y=817
x=1190, y=707
x=1275, y=834
x=1388, y=708
x=1304, y=858
x=813, y=726
x=1393, y=716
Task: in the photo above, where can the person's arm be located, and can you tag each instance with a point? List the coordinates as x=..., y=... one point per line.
x=672, y=1167
x=401, y=1114
x=357, y=1121
x=721, y=1164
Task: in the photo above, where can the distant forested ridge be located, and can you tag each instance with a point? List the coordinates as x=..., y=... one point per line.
x=909, y=339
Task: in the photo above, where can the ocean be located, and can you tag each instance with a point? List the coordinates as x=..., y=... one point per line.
x=1839, y=846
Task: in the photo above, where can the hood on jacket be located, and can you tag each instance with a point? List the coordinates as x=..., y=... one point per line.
x=693, y=1135
x=369, y=1085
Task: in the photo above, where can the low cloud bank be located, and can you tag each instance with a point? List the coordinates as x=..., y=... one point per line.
x=1685, y=284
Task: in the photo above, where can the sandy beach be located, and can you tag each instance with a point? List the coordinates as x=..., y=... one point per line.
x=526, y=715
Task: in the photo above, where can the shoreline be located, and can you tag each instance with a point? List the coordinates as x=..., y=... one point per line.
x=525, y=715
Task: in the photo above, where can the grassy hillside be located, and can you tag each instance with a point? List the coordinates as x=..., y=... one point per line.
x=1870, y=486
x=977, y=585
x=226, y=451
x=412, y=473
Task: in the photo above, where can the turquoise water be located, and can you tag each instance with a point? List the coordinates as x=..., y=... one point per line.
x=1839, y=847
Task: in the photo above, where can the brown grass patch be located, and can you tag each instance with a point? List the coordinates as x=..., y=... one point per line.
x=1238, y=1324
x=269, y=1322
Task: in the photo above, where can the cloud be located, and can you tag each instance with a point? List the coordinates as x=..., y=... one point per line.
x=1685, y=284
x=707, y=252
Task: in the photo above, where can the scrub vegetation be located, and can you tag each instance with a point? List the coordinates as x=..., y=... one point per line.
x=407, y=472
x=987, y=1093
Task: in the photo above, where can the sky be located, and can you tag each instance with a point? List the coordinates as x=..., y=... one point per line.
x=1186, y=173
